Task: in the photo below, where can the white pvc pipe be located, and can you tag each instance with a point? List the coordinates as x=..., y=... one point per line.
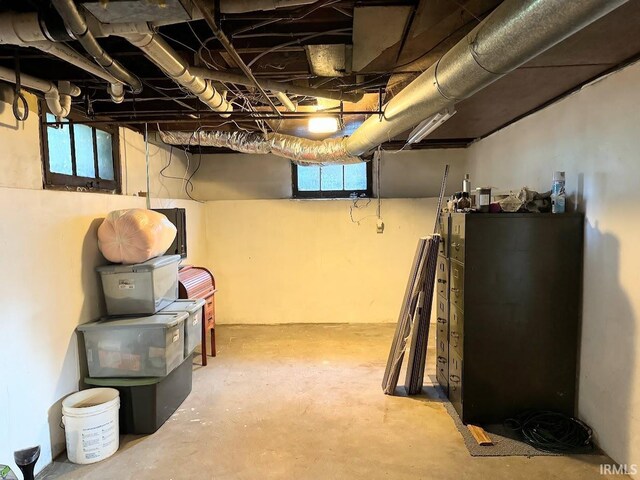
x=285, y=101
x=23, y=29
x=69, y=55
x=165, y=57
x=58, y=98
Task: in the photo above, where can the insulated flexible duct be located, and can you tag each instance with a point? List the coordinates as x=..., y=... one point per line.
x=515, y=32
x=299, y=150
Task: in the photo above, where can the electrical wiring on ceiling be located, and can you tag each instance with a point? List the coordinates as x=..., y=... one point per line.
x=246, y=105
x=297, y=41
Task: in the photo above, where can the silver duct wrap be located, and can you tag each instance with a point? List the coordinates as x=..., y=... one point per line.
x=515, y=32
x=300, y=150
x=304, y=151
x=245, y=142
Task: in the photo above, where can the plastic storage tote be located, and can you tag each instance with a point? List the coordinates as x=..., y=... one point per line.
x=142, y=288
x=192, y=325
x=146, y=403
x=134, y=347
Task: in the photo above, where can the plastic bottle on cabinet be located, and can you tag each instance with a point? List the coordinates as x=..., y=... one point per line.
x=466, y=184
x=558, y=197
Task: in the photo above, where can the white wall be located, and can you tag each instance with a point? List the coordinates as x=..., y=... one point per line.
x=305, y=261
x=278, y=260
x=594, y=135
x=418, y=173
x=49, y=252
x=274, y=259
x=241, y=177
x=407, y=174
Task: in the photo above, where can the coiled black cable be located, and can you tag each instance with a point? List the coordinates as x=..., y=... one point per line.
x=552, y=432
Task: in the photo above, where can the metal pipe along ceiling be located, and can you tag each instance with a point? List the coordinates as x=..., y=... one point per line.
x=515, y=32
x=77, y=24
x=161, y=53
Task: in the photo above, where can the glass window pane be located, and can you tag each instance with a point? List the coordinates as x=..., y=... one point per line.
x=83, y=140
x=59, y=141
x=105, y=155
x=308, y=178
x=355, y=176
x=331, y=177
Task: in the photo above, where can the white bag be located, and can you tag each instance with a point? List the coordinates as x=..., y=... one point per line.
x=135, y=235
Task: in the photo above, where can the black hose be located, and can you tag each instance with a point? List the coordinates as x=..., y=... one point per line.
x=552, y=431
x=17, y=100
x=19, y=97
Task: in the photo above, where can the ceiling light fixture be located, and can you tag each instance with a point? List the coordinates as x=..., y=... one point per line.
x=430, y=124
x=323, y=124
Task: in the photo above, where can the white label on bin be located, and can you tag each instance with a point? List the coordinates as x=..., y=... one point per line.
x=126, y=284
x=176, y=336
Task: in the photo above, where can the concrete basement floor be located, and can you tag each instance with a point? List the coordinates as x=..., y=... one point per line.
x=305, y=402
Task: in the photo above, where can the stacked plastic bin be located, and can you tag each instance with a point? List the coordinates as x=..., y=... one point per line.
x=143, y=348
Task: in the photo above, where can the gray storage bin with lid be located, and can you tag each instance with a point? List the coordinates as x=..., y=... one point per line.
x=192, y=325
x=134, y=347
x=141, y=288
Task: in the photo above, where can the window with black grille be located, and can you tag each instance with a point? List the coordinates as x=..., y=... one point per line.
x=332, y=181
x=78, y=156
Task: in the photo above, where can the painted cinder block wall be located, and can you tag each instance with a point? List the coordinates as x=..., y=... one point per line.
x=48, y=286
x=593, y=135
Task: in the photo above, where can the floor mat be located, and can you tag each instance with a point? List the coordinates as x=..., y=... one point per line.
x=504, y=445
x=505, y=442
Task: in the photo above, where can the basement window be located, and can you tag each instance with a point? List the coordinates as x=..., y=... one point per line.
x=81, y=157
x=332, y=181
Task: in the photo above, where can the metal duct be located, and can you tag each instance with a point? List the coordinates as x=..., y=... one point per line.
x=58, y=98
x=299, y=150
x=515, y=32
x=165, y=57
x=78, y=25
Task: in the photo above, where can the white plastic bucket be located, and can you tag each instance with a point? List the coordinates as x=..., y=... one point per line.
x=90, y=419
